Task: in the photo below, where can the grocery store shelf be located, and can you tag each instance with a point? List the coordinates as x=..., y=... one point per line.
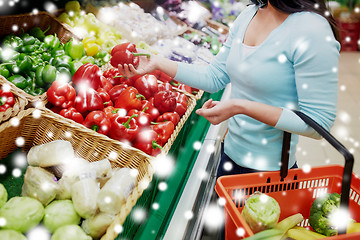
x=186, y=222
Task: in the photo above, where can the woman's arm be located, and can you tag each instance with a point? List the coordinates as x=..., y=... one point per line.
x=216, y=112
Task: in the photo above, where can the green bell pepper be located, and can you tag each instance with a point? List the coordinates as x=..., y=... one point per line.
x=19, y=81
x=38, y=33
x=101, y=54
x=75, y=49
x=8, y=55
x=13, y=42
x=87, y=59
x=62, y=61
x=74, y=66
x=24, y=63
x=29, y=48
x=49, y=74
x=4, y=71
x=27, y=39
x=59, y=51
x=46, y=56
x=52, y=41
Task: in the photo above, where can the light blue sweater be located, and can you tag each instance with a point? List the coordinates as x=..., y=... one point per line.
x=294, y=68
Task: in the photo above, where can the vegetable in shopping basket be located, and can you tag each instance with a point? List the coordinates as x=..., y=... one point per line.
x=70, y=232
x=269, y=234
x=60, y=213
x=353, y=227
x=320, y=213
x=3, y=195
x=22, y=213
x=11, y=234
x=304, y=233
x=290, y=222
x=261, y=212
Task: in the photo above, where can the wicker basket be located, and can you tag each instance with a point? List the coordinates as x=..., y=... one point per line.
x=28, y=21
x=20, y=101
x=38, y=126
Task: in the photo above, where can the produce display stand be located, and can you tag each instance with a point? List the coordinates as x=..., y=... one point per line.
x=295, y=187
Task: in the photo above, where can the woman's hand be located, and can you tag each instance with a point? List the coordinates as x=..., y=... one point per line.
x=146, y=65
x=216, y=112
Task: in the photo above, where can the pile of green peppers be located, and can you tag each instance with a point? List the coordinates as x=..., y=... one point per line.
x=32, y=61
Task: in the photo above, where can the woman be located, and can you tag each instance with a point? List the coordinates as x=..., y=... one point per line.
x=279, y=56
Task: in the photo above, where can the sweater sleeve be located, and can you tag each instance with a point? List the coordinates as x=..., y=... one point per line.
x=315, y=55
x=212, y=77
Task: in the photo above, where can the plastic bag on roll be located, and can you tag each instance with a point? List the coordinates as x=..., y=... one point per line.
x=51, y=154
x=39, y=184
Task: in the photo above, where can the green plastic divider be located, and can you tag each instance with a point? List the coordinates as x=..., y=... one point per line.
x=157, y=221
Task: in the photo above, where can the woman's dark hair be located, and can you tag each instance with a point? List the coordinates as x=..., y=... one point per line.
x=293, y=6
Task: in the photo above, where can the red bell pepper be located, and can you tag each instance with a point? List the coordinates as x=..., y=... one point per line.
x=124, y=129
x=147, y=85
x=56, y=109
x=129, y=99
x=112, y=112
x=165, y=101
x=61, y=94
x=164, y=77
x=181, y=103
x=115, y=91
x=165, y=86
x=114, y=76
x=88, y=100
x=88, y=75
x=169, y=116
x=126, y=56
x=98, y=121
x=6, y=100
x=185, y=88
x=156, y=73
x=164, y=129
x=146, y=141
x=143, y=120
x=72, y=114
x=122, y=47
x=106, y=83
x=105, y=97
x=150, y=109
x=110, y=73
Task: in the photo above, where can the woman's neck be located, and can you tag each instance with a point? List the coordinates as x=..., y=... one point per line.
x=270, y=13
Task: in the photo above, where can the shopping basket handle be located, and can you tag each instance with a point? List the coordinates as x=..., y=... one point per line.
x=349, y=158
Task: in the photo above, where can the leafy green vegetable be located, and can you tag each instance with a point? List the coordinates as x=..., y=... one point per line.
x=22, y=213
x=70, y=232
x=60, y=213
x=320, y=211
x=261, y=212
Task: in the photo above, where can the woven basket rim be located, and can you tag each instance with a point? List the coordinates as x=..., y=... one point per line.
x=20, y=101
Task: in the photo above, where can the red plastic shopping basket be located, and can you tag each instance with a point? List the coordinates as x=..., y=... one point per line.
x=293, y=189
